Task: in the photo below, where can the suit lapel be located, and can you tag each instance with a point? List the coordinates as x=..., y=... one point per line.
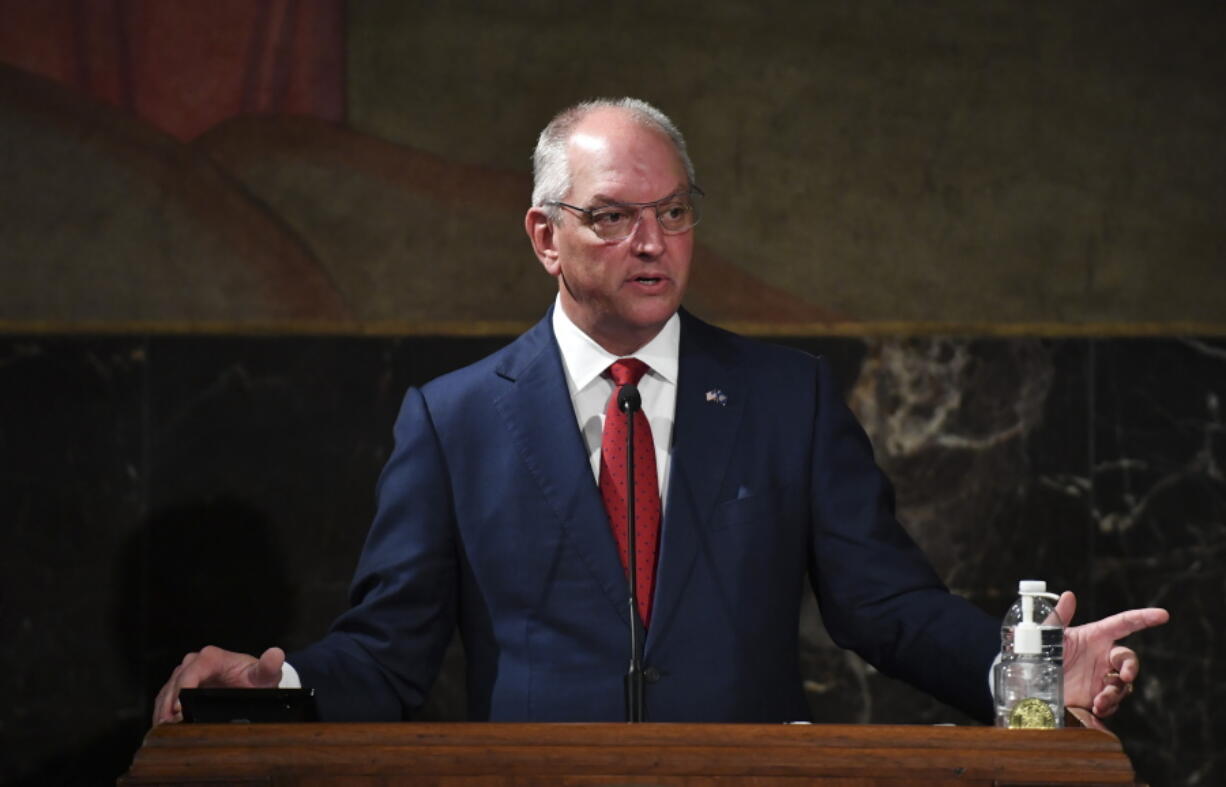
x=540, y=418
x=710, y=403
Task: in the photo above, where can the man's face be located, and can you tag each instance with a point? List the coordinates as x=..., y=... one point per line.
x=621, y=292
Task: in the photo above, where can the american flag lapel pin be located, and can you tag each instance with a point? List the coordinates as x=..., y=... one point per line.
x=718, y=397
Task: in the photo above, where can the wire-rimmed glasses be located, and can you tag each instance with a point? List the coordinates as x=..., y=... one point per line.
x=676, y=213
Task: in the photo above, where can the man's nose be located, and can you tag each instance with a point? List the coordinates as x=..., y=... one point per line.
x=648, y=238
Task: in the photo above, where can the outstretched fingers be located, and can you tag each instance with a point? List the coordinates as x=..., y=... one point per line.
x=1122, y=624
x=1098, y=672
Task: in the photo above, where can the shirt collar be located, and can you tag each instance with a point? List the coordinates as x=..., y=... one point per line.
x=585, y=360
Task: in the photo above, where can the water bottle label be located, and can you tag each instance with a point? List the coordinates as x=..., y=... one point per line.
x=1032, y=713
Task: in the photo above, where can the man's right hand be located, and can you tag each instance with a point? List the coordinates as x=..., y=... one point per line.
x=216, y=668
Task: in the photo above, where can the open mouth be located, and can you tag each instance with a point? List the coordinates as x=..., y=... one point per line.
x=648, y=279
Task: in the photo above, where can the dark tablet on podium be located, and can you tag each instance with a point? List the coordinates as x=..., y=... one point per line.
x=248, y=706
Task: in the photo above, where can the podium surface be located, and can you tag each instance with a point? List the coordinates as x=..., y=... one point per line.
x=490, y=754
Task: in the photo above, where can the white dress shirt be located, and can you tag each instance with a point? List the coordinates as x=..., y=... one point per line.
x=584, y=362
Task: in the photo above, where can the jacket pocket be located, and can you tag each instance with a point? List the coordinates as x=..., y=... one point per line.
x=766, y=506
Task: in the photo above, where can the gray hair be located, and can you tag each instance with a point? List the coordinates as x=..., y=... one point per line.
x=551, y=166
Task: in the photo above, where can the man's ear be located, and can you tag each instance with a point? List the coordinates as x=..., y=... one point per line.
x=541, y=232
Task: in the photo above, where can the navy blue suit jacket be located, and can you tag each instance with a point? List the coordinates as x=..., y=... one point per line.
x=488, y=515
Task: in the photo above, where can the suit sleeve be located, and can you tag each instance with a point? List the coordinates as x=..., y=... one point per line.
x=877, y=592
x=381, y=656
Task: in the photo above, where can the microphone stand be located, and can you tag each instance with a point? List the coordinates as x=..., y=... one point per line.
x=629, y=402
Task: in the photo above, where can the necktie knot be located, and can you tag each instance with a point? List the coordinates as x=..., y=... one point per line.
x=627, y=370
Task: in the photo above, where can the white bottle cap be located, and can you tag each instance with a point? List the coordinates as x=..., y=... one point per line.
x=1032, y=586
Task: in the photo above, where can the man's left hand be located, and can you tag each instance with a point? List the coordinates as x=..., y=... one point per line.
x=1098, y=674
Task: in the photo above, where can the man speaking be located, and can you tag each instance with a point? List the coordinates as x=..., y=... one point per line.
x=503, y=506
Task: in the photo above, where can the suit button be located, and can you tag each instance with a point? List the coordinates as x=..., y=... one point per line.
x=651, y=674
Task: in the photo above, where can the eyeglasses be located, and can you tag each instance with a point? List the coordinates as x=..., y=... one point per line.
x=676, y=213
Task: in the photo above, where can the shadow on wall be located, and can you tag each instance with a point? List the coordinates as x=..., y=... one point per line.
x=207, y=572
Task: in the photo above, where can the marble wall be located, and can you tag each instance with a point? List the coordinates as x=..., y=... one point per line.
x=166, y=492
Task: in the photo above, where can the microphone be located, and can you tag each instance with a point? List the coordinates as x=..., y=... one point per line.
x=628, y=399
x=629, y=402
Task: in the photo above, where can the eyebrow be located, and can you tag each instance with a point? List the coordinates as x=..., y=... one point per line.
x=604, y=199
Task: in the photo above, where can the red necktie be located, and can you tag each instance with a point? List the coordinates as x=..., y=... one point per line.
x=646, y=485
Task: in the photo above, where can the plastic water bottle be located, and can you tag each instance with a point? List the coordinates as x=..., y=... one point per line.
x=1028, y=682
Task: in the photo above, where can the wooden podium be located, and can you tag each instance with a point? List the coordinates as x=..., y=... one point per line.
x=488, y=754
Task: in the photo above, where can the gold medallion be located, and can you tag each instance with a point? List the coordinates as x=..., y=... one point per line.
x=1033, y=714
